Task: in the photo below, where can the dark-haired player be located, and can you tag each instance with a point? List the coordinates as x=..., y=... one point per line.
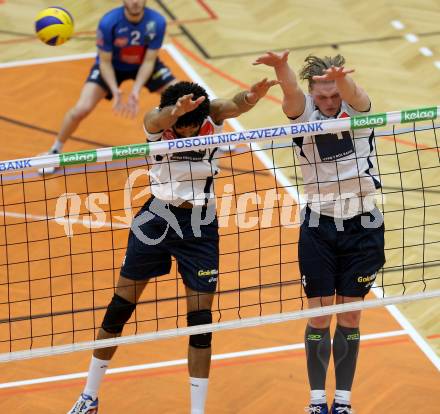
x=128, y=39
x=178, y=220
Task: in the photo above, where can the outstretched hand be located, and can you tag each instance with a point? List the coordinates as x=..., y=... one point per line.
x=272, y=59
x=186, y=104
x=118, y=105
x=126, y=109
x=333, y=73
x=132, y=105
x=260, y=89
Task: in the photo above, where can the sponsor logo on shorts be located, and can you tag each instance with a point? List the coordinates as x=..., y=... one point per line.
x=367, y=280
x=303, y=280
x=368, y=121
x=204, y=273
x=421, y=114
x=161, y=74
x=314, y=337
x=353, y=337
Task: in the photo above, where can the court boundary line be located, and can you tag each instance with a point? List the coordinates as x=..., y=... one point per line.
x=83, y=221
x=175, y=53
x=177, y=362
x=410, y=329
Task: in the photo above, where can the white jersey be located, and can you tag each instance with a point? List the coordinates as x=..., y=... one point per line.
x=184, y=176
x=340, y=177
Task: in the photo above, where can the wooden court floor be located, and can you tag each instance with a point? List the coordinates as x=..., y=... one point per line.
x=389, y=367
x=393, y=375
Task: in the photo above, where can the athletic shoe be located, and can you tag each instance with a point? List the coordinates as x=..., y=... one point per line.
x=317, y=409
x=85, y=405
x=47, y=170
x=341, y=409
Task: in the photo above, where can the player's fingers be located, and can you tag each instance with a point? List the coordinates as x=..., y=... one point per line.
x=273, y=83
x=199, y=100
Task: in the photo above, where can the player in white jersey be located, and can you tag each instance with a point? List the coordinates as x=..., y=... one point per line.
x=341, y=243
x=178, y=220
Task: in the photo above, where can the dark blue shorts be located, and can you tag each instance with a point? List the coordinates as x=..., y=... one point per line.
x=149, y=254
x=344, y=262
x=161, y=76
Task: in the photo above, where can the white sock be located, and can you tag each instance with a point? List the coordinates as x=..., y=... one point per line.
x=318, y=397
x=57, y=146
x=343, y=397
x=199, y=390
x=97, y=369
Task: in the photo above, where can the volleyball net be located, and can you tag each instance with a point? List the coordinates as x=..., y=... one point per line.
x=63, y=236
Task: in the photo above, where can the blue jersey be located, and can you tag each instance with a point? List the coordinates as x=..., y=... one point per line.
x=129, y=41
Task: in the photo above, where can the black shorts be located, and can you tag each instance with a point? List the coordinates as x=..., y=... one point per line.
x=149, y=255
x=160, y=77
x=346, y=261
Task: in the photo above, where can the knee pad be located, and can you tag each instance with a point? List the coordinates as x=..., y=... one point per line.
x=118, y=313
x=201, y=317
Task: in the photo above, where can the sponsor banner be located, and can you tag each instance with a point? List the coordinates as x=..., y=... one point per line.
x=252, y=135
x=130, y=151
x=413, y=115
x=80, y=157
x=368, y=121
x=15, y=165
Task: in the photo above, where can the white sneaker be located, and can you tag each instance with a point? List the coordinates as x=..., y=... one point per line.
x=85, y=405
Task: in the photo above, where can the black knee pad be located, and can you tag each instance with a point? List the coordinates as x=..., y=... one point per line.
x=201, y=317
x=118, y=313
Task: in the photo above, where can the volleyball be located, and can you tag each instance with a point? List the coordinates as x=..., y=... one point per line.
x=54, y=26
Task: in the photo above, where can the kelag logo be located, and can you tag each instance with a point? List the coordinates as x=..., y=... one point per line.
x=130, y=151
x=421, y=114
x=80, y=157
x=368, y=121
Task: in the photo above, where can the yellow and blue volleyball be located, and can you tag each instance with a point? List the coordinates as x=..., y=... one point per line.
x=54, y=26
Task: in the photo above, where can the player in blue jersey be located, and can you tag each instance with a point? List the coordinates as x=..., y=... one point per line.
x=128, y=41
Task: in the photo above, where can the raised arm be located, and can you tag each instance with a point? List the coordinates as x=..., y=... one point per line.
x=242, y=102
x=159, y=119
x=350, y=92
x=293, y=96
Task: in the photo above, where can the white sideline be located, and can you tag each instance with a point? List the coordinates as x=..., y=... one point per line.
x=62, y=220
x=409, y=328
x=40, y=61
x=177, y=362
